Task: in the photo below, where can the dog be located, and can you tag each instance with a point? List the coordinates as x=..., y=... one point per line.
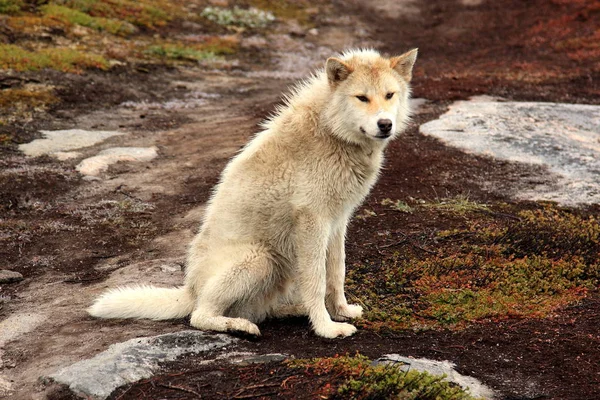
x=272, y=239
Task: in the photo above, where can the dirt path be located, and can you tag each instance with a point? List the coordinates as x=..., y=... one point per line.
x=71, y=238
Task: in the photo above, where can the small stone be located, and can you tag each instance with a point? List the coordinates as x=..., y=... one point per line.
x=170, y=268
x=64, y=141
x=7, y=276
x=313, y=32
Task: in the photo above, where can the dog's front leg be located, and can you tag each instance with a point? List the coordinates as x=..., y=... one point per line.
x=312, y=237
x=335, y=298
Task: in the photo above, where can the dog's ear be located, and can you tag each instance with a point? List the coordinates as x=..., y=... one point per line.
x=337, y=70
x=404, y=64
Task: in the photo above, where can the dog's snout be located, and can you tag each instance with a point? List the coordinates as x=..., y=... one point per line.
x=385, y=125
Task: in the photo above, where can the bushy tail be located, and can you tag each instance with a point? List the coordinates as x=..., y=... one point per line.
x=143, y=302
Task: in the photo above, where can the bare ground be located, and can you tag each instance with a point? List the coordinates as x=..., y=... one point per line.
x=72, y=238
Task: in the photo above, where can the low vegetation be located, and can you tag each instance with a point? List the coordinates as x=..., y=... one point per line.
x=357, y=378
x=497, y=265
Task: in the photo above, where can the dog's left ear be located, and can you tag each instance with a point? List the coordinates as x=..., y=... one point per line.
x=404, y=64
x=337, y=70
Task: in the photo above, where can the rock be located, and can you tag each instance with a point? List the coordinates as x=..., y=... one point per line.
x=133, y=360
x=7, y=276
x=100, y=163
x=18, y=324
x=170, y=268
x=563, y=137
x=475, y=387
x=65, y=140
x=249, y=359
x=66, y=155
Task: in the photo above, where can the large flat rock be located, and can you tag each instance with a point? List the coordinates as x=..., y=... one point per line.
x=133, y=360
x=563, y=137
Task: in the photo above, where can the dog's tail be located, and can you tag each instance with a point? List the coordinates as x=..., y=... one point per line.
x=144, y=302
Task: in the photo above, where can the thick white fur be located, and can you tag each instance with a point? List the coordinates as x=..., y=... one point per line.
x=272, y=240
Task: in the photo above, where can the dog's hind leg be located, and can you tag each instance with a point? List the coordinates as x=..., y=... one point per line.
x=241, y=286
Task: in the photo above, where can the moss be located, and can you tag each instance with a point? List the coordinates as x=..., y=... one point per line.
x=26, y=98
x=10, y=6
x=61, y=59
x=179, y=52
x=142, y=13
x=362, y=380
x=76, y=17
x=526, y=266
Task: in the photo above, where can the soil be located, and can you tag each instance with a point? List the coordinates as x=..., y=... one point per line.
x=71, y=238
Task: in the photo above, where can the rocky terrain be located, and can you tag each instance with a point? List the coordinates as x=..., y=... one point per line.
x=477, y=254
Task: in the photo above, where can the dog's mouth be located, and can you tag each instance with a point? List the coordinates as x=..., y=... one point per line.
x=383, y=135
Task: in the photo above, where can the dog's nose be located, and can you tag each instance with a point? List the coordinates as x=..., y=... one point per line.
x=385, y=125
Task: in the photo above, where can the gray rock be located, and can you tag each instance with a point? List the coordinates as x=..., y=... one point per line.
x=7, y=276
x=133, y=360
x=473, y=385
x=563, y=137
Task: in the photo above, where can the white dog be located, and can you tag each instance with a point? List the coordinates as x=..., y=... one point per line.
x=272, y=240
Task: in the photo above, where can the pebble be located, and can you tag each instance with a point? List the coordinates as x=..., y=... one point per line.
x=7, y=276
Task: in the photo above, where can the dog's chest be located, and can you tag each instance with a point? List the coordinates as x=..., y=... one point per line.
x=348, y=180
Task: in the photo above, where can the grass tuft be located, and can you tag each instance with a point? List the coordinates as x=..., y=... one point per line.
x=75, y=17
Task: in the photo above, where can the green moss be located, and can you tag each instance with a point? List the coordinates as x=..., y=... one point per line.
x=524, y=266
x=10, y=6
x=179, y=52
x=362, y=380
x=142, y=13
x=25, y=98
x=61, y=59
x=76, y=17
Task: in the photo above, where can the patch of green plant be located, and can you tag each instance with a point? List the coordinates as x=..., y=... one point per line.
x=362, y=380
x=245, y=18
x=26, y=98
x=10, y=6
x=75, y=17
x=179, y=52
x=552, y=232
x=526, y=266
x=61, y=59
x=460, y=204
x=397, y=205
x=141, y=13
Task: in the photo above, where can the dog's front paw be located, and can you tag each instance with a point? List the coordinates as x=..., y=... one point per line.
x=335, y=329
x=347, y=311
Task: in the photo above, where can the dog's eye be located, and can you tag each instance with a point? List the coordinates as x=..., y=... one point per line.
x=364, y=99
x=389, y=95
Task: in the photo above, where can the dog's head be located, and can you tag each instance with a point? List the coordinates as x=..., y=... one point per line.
x=369, y=94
